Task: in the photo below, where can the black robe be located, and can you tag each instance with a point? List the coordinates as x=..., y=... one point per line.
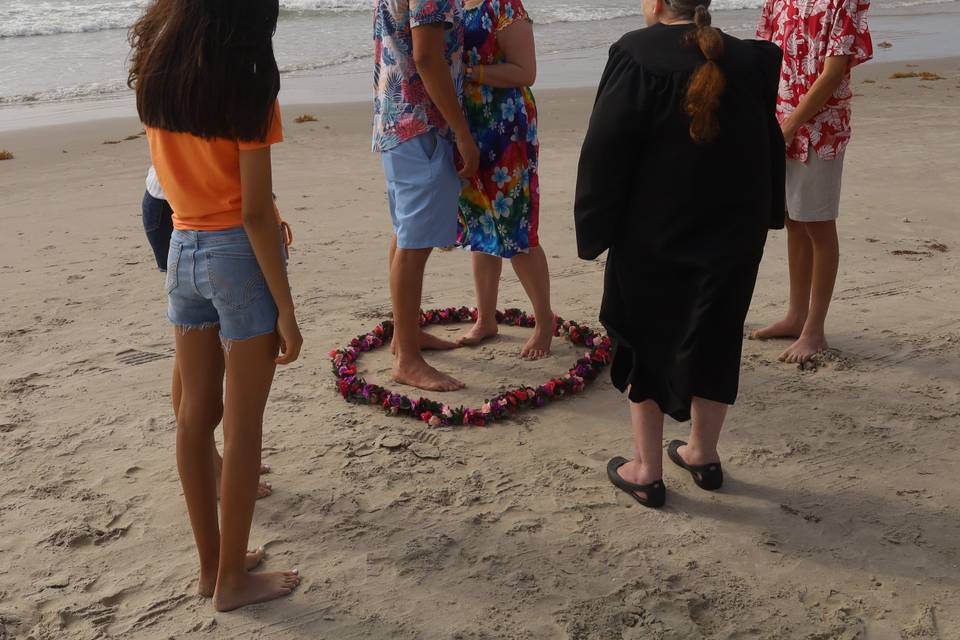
x=685, y=223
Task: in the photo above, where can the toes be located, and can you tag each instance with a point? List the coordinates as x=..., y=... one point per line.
x=264, y=490
x=265, y=469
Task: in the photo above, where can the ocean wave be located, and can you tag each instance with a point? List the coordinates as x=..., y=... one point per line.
x=20, y=18
x=24, y=18
x=112, y=88
x=334, y=62
x=64, y=94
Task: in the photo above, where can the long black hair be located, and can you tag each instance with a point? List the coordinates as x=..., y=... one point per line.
x=206, y=67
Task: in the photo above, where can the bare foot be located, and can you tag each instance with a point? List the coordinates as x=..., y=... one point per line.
x=480, y=331
x=804, y=349
x=423, y=376
x=252, y=561
x=264, y=490
x=538, y=346
x=265, y=469
x=786, y=328
x=430, y=342
x=253, y=588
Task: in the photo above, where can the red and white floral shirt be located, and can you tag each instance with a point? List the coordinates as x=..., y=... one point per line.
x=810, y=31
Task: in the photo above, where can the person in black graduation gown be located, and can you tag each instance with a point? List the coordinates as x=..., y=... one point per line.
x=681, y=175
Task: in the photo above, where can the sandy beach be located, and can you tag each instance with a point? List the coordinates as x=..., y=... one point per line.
x=840, y=515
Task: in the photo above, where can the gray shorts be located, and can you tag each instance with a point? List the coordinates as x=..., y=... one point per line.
x=813, y=188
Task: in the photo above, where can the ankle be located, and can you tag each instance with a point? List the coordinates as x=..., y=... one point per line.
x=230, y=580
x=209, y=572
x=796, y=318
x=694, y=453
x=647, y=473
x=817, y=332
x=487, y=320
x=409, y=359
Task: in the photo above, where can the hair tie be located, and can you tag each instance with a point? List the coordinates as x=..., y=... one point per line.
x=701, y=16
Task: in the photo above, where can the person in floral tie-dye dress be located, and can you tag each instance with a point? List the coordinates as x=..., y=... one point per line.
x=499, y=209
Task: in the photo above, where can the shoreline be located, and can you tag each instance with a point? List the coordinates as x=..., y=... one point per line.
x=96, y=117
x=919, y=34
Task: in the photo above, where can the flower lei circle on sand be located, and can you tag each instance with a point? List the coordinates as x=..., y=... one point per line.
x=355, y=389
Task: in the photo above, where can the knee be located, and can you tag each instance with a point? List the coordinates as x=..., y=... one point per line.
x=199, y=418
x=822, y=233
x=411, y=258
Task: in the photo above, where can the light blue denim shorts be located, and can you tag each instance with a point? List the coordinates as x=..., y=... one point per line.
x=423, y=188
x=214, y=279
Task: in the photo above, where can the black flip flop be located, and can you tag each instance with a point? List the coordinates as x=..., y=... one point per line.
x=656, y=491
x=708, y=477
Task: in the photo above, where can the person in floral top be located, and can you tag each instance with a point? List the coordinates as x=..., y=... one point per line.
x=500, y=207
x=821, y=41
x=418, y=119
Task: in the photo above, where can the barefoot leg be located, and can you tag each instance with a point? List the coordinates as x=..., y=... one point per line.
x=800, y=257
x=201, y=386
x=428, y=342
x=250, y=369
x=647, y=463
x=826, y=263
x=486, y=279
x=264, y=488
x=534, y=274
x=406, y=288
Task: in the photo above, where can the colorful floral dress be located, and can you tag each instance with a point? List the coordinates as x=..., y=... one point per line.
x=809, y=31
x=499, y=209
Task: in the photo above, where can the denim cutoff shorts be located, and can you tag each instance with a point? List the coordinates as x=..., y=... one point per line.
x=214, y=279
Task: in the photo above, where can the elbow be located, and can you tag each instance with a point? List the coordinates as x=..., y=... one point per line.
x=254, y=216
x=531, y=78
x=424, y=60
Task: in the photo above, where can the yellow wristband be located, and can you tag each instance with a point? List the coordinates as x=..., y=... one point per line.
x=480, y=73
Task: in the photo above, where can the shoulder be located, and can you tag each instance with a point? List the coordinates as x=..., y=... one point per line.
x=644, y=49
x=639, y=42
x=762, y=52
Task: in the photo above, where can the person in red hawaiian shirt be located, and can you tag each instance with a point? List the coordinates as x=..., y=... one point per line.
x=821, y=41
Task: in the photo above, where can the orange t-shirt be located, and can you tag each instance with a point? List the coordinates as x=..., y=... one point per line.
x=201, y=178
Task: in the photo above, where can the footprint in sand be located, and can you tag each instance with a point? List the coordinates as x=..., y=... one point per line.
x=427, y=445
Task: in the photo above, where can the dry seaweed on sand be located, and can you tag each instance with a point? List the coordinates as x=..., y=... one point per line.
x=6, y=155
x=923, y=75
x=305, y=118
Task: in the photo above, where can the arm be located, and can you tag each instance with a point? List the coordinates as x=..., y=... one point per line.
x=834, y=71
x=604, y=177
x=260, y=223
x=428, y=47
x=520, y=67
x=770, y=59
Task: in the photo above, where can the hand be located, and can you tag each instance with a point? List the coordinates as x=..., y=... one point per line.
x=789, y=133
x=290, y=339
x=469, y=154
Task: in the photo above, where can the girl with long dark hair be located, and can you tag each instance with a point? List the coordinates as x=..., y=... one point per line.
x=681, y=176
x=207, y=82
